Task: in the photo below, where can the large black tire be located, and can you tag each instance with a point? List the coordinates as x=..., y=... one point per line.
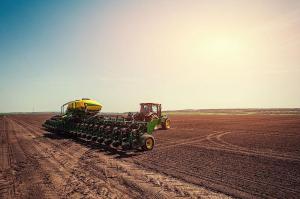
x=147, y=142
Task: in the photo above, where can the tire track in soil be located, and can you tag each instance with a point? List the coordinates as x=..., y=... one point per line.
x=19, y=170
x=7, y=178
x=69, y=180
x=148, y=183
x=225, y=188
x=216, y=138
x=213, y=181
x=31, y=180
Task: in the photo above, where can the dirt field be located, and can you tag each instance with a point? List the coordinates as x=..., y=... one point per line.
x=202, y=156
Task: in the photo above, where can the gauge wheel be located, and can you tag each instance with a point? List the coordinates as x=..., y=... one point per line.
x=147, y=142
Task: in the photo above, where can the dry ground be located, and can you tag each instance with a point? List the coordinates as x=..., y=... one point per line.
x=202, y=156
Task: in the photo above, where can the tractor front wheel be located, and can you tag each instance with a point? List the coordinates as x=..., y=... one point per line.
x=147, y=142
x=166, y=125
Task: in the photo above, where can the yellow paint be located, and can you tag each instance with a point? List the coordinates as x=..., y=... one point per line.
x=84, y=104
x=149, y=143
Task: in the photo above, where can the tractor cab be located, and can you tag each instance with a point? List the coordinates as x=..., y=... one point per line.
x=148, y=112
x=150, y=108
x=151, y=112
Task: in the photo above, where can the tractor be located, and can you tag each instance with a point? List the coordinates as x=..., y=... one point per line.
x=152, y=112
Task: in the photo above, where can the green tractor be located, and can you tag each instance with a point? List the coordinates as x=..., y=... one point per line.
x=82, y=119
x=151, y=112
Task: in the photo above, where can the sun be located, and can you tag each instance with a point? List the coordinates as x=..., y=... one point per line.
x=216, y=48
x=222, y=45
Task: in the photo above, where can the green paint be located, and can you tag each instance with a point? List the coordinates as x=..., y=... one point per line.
x=151, y=125
x=90, y=104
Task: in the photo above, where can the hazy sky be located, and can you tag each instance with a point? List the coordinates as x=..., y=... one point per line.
x=183, y=54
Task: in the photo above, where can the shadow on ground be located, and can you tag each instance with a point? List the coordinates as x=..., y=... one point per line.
x=108, y=150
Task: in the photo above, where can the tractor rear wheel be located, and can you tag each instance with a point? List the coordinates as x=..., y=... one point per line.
x=147, y=142
x=166, y=125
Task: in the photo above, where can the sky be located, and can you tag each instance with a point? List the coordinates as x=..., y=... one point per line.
x=183, y=54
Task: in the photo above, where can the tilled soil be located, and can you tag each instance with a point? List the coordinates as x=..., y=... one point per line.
x=38, y=164
x=244, y=156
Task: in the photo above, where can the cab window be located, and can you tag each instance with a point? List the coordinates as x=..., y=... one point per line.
x=146, y=108
x=154, y=108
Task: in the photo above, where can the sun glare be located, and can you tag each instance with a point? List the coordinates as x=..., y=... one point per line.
x=222, y=45
x=212, y=49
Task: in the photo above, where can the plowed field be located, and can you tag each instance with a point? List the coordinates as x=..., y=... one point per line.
x=202, y=156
